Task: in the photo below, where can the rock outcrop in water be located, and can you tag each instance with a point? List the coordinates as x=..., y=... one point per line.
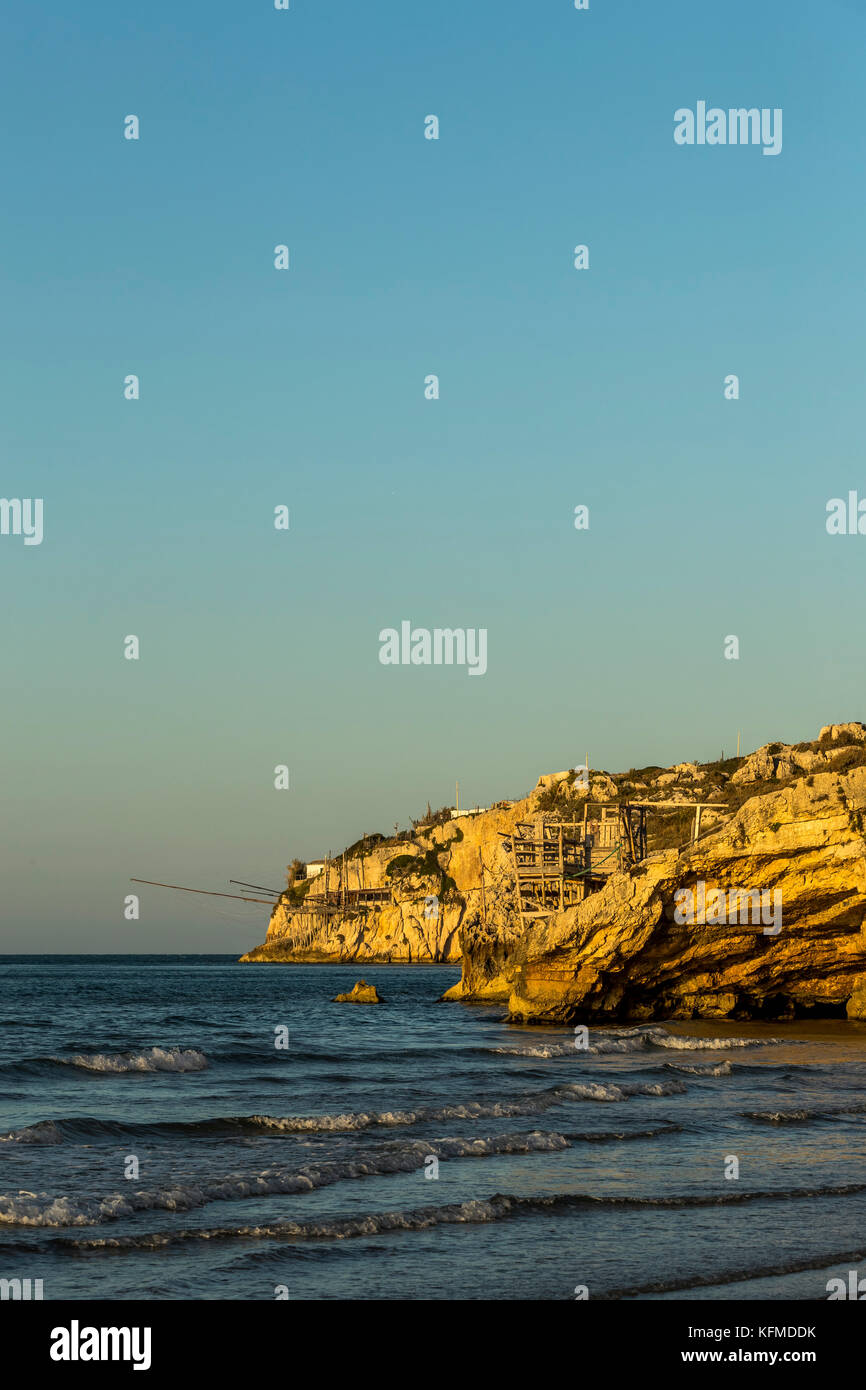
x=360, y=993
x=792, y=827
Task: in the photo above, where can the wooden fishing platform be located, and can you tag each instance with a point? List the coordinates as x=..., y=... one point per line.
x=557, y=864
x=553, y=861
x=346, y=898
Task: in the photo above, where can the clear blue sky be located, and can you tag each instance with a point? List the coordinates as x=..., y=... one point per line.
x=558, y=387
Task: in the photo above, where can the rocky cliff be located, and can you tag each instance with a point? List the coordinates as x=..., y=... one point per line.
x=436, y=882
x=631, y=952
x=762, y=917
x=460, y=864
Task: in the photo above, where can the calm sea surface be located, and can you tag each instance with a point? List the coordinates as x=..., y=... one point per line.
x=155, y=1142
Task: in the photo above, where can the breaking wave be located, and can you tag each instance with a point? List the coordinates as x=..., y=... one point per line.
x=801, y=1115
x=720, y=1069
x=530, y=1103
x=632, y=1040
x=41, y=1209
x=45, y=1132
x=689, y=1044
x=150, y=1059
x=479, y=1211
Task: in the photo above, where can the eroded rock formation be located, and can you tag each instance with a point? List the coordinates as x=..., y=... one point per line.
x=360, y=993
x=434, y=883
x=792, y=823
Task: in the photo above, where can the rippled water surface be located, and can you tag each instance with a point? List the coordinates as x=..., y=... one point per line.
x=154, y=1142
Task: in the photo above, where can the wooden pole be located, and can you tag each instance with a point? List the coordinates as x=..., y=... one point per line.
x=206, y=891
x=517, y=884
x=561, y=871
x=625, y=812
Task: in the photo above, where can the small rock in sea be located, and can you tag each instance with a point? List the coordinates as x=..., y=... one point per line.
x=361, y=994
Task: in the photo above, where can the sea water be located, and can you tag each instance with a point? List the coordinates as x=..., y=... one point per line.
x=185, y=1127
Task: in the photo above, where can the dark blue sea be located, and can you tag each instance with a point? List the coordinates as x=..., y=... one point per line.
x=158, y=1141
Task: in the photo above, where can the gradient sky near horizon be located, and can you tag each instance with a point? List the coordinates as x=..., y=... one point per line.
x=306, y=388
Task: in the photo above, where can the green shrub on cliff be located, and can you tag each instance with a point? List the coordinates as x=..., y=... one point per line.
x=561, y=798
x=361, y=848
x=298, y=891
x=846, y=759
x=423, y=865
x=431, y=818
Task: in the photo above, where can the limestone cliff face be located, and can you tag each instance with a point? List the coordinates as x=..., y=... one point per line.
x=409, y=928
x=397, y=932
x=462, y=863
x=622, y=953
x=790, y=820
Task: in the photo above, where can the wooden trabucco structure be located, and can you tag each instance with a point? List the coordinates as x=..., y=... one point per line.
x=559, y=863
x=342, y=897
x=551, y=866
x=347, y=898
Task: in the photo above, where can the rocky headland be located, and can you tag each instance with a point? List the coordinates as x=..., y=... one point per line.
x=787, y=825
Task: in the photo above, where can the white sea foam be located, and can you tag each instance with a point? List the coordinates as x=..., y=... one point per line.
x=471, y=1212
x=42, y=1209
x=479, y=1211
x=629, y=1040
x=338, y=1124
x=592, y=1090
x=781, y=1117
x=719, y=1069
x=599, y=1048
x=346, y=1123
x=537, y=1050
x=531, y=1103
x=622, y=1090
x=690, y=1044
x=150, y=1059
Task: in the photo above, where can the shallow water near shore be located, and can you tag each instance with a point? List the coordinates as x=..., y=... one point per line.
x=410, y=1149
